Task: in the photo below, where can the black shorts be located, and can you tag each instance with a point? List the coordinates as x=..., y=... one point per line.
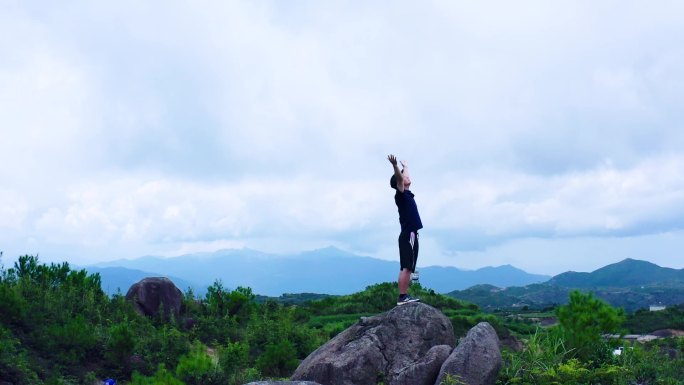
x=408, y=250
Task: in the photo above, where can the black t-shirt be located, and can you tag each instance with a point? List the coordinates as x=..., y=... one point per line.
x=408, y=211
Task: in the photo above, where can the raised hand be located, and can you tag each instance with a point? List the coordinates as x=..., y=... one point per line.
x=392, y=159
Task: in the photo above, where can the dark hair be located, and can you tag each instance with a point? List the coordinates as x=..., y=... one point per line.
x=393, y=180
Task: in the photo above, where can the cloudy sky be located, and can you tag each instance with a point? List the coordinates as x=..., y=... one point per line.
x=546, y=135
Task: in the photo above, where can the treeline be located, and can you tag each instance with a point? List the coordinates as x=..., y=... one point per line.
x=644, y=321
x=57, y=326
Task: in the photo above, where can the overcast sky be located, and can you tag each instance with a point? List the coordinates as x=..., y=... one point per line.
x=546, y=135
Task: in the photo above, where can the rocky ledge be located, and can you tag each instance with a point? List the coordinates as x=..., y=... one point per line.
x=411, y=344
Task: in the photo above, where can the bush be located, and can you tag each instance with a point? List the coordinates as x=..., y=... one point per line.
x=160, y=377
x=14, y=364
x=163, y=345
x=278, y=360
x=234, y=358
x=119, y=346
x=583, y=321
x=197, y=367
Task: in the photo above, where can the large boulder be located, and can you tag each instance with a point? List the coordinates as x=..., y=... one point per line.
x=395, y=347
x=151, y=294
x=477, y=358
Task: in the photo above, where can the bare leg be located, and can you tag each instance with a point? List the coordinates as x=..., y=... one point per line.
x=404, y=280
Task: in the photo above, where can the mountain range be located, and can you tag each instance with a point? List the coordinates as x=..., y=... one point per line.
x=630, y=284
x=325, y=271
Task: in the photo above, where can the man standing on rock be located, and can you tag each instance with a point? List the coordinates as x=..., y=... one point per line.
x=409, y=219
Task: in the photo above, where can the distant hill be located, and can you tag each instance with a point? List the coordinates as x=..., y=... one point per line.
x=627, y=273
x=631, y=284
x=445, y=279
x=324, y=271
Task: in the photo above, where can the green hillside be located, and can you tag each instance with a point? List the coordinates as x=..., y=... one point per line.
x=627, y=273
x=630, y=284
x=58, y=327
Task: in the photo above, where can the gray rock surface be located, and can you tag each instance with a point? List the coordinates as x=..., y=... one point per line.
x=477, y=358
x=283, y=383
x=425, y=370
x=151, y=293
x=391, y=347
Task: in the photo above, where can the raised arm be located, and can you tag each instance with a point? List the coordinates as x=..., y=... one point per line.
x=405, y=170
x=397, y=173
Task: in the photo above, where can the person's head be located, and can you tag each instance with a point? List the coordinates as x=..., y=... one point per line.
x=407, y=181
x=393, y=181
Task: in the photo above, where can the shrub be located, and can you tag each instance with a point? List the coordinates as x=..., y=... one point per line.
x=234, y=358
x=197, y=367
x=14, y=364
x=583, y=321
x=160, y=377
x=119, y=346
x=278, y=360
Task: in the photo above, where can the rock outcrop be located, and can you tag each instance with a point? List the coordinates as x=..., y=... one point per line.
x=151, y=294
x=424, y=371
x=283, y=383
x=406, y=345
x=477, y=358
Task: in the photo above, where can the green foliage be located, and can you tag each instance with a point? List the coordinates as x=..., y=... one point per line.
x=13, y=306
x=452, y=380
x=464, y=322
x=278, y=360
x=332, y=315
x=163, y=345
x=638, y=365
x=70, y=342
x=652, y=363
x=58, y=327
x=54, y=313
x=222, y=316
x=14, y=363
x=273, y=323
x=543, y=351
x=292, y=298
x=551, y=356
x=234, y=358
x=197, y=367
x=160, y=377
x=645, y=321
x=120, y=346
x=582, y=322
x=220, y=303
x=379, y=298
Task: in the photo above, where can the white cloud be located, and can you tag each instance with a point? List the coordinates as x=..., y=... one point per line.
x=13, y=211
x=136, y=128
x=163, y=212
x=647, y=198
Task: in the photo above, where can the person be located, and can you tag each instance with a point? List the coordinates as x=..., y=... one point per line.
x=409, y=219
